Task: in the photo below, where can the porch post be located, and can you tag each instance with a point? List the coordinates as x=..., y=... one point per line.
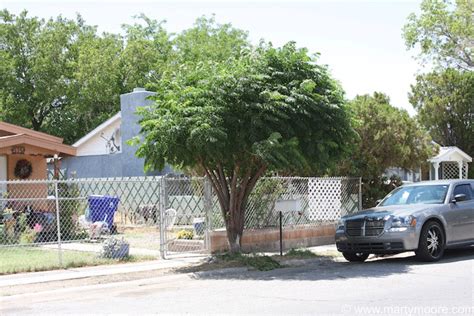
x=460, y=165
x=436, y=170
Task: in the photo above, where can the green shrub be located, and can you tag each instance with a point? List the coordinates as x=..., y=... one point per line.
x=262, y=202
x=22, y=223
x=68, y=206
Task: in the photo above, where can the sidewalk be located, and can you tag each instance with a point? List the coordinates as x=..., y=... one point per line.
x=80, y=246
x=87, y=272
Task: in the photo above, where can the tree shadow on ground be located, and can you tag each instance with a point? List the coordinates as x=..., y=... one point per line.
x=326, y=268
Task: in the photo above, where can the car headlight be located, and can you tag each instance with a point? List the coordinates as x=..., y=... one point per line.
x=403, y=221
x=340, y=224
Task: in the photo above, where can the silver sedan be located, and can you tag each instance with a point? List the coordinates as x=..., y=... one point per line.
x=425, y=217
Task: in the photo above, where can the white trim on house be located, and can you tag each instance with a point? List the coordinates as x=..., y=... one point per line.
x=451, y=153
x=453, y=163
x=98, y=129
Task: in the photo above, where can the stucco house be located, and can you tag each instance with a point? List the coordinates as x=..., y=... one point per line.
x=23, y=156
x=23, y=152
x=104, y=152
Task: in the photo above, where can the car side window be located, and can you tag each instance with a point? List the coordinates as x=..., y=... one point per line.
x=463, y=189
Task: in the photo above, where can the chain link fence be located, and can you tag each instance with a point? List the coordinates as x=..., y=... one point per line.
x=303, y=201
x=68, y=223
x=49, y=224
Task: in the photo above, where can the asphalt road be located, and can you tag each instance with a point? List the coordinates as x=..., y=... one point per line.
x=388, y=286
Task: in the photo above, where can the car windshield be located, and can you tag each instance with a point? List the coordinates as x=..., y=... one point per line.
x=416, y=194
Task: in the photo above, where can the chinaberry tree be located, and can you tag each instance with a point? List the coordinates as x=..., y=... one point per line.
x=236, y=114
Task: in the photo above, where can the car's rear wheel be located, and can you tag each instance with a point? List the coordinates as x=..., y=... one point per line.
x=355, y=257
x=432, y=242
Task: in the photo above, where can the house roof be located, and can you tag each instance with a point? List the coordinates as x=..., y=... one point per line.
x=451, y=153
x=14, y=130
x=98, y=129
x=47, y=144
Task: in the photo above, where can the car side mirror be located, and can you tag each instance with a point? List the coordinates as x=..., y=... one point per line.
x=459, y=198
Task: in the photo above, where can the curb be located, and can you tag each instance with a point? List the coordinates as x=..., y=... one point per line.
x=220, y=272
x=90, y=272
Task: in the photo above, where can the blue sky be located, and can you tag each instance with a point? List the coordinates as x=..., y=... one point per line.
x=360, y=40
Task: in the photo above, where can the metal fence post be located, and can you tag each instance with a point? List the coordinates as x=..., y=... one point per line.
x=58, y=221
x=162, y=206
x=360, y=194
x=208, y=212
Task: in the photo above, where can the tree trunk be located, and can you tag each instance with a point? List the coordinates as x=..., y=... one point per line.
x=235, y=229
x=234, y=241
x=233, y=193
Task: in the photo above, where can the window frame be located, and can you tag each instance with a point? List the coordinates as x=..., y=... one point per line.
x=471, y=192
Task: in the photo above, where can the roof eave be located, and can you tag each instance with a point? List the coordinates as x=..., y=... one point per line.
x=98, y=129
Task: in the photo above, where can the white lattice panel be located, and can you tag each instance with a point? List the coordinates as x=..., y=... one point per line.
x=451, y=170
x=324, y=199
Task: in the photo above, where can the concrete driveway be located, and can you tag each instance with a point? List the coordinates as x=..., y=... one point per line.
x=389, y=286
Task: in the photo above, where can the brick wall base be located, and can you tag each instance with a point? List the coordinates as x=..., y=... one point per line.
x=268, y=239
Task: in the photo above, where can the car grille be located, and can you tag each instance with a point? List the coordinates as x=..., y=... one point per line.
x=371, y=246
x=365, y=227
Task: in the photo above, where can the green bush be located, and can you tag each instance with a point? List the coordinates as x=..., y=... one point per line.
x=22, y=223
x=262, y=202
x=68, y=208
x=376, y=189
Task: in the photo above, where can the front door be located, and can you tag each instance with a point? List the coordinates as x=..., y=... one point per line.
x=3, y=178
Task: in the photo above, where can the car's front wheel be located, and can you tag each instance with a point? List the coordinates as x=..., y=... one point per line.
x=355, y=257
x=432, y=242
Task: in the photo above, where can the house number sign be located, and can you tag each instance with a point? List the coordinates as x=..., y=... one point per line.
x=18, y=150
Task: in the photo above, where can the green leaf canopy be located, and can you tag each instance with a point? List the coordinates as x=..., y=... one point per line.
x=271, y=108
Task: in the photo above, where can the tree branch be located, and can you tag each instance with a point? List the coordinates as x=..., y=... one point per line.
x=250, y=185
x=223, y=180
x=233, y=187
x=217, y=188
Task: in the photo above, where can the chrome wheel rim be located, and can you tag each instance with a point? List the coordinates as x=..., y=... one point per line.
x=434, y=241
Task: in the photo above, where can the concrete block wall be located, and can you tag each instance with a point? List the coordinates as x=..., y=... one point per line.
x=268, y=239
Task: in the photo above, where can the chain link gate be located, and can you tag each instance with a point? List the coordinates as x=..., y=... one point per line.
x=186, y=207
